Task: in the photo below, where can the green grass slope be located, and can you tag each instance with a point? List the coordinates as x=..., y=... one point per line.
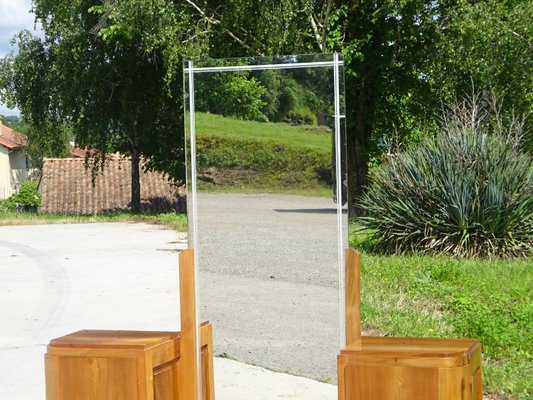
x=237, y=155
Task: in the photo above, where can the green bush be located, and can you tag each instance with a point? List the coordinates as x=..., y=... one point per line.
x=465, y=192
x=8, y=204
x=28, y=196
x=234, y=95
x=301, y=116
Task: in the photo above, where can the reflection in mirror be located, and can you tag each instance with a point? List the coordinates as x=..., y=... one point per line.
x=265, y=219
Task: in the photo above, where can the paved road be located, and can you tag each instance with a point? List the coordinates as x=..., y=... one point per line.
x=269, y=278
x=57, y=279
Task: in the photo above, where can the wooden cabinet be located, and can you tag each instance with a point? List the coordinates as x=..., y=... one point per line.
x=395, y=368
x=122, y=365
x=136, y=365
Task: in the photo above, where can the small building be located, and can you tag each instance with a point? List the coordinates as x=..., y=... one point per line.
x=70, y=186
x=15, y=167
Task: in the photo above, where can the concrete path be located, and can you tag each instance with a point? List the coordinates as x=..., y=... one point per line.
x=56, y=279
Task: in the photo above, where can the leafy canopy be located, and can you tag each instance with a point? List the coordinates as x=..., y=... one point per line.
x=466, y=192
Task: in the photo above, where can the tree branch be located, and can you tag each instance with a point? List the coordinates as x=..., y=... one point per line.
x=315, y=31
x=212, y=20
x=319, y=26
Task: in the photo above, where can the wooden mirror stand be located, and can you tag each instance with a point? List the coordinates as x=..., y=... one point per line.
x=135, y=365
x=398, y=368
x=138, y=365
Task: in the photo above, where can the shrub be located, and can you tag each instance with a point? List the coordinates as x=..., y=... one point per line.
x=28, y=196
x=235, y=95
x=8, y=204
x=465, y=192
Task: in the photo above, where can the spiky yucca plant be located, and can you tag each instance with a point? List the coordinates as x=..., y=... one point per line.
x=465, y=192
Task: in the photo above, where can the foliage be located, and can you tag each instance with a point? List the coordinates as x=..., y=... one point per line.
x=28, y=195
x=487, y=43
x=297, y=96
x=465, y=192
x=386, y=46
x=13, y=121
x=402, y=58
x=108, y=90
x=23, y=83
x=268, y=157
x=8, y=205
x=230, y=94
x=174, y=221
x=294, y=96
x=428, y=296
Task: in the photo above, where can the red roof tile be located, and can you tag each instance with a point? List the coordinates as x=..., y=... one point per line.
x=78, y=153
x=10, y=138
x=67, y=187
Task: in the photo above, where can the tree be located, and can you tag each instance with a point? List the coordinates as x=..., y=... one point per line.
x=488, y=45
x=386, y=45
x=235, y=95
x=22, y=83
x=402, y=59
x=111, y=93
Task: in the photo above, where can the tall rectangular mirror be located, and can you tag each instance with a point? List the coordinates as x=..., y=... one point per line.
x=267, y=207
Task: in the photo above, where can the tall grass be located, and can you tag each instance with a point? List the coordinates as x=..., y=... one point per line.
x=174, y=221
x=465, y=193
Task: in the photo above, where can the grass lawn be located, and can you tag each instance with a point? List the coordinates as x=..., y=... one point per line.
x=174, y=221
x=249, y=156
x=304, y=136
x=490, y=300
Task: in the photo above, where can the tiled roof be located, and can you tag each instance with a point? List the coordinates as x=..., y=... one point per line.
x=10, y=138
x=78, y=152
x=67, y=187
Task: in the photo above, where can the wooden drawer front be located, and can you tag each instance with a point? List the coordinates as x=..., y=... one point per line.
x=370, y=381
x=166, y=379
x=374, y=382
x=90, y=378
x=166, y=382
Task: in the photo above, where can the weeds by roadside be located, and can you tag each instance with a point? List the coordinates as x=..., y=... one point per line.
x=173, y=221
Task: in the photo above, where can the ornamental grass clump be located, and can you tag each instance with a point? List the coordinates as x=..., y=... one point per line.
x=466, y=192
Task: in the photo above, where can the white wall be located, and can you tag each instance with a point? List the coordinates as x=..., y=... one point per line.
x=5, y=173
x=13, y=171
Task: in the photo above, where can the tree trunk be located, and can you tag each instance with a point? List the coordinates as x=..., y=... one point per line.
x=360, y=106
x=135, y=182
x=358, y=170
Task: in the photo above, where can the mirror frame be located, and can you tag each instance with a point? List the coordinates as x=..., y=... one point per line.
x=191, y=68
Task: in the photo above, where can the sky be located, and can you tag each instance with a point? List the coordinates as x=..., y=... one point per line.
x=15, y=16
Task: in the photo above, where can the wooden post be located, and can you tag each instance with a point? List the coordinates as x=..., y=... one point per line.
x=188, y=378
x=353, y=295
